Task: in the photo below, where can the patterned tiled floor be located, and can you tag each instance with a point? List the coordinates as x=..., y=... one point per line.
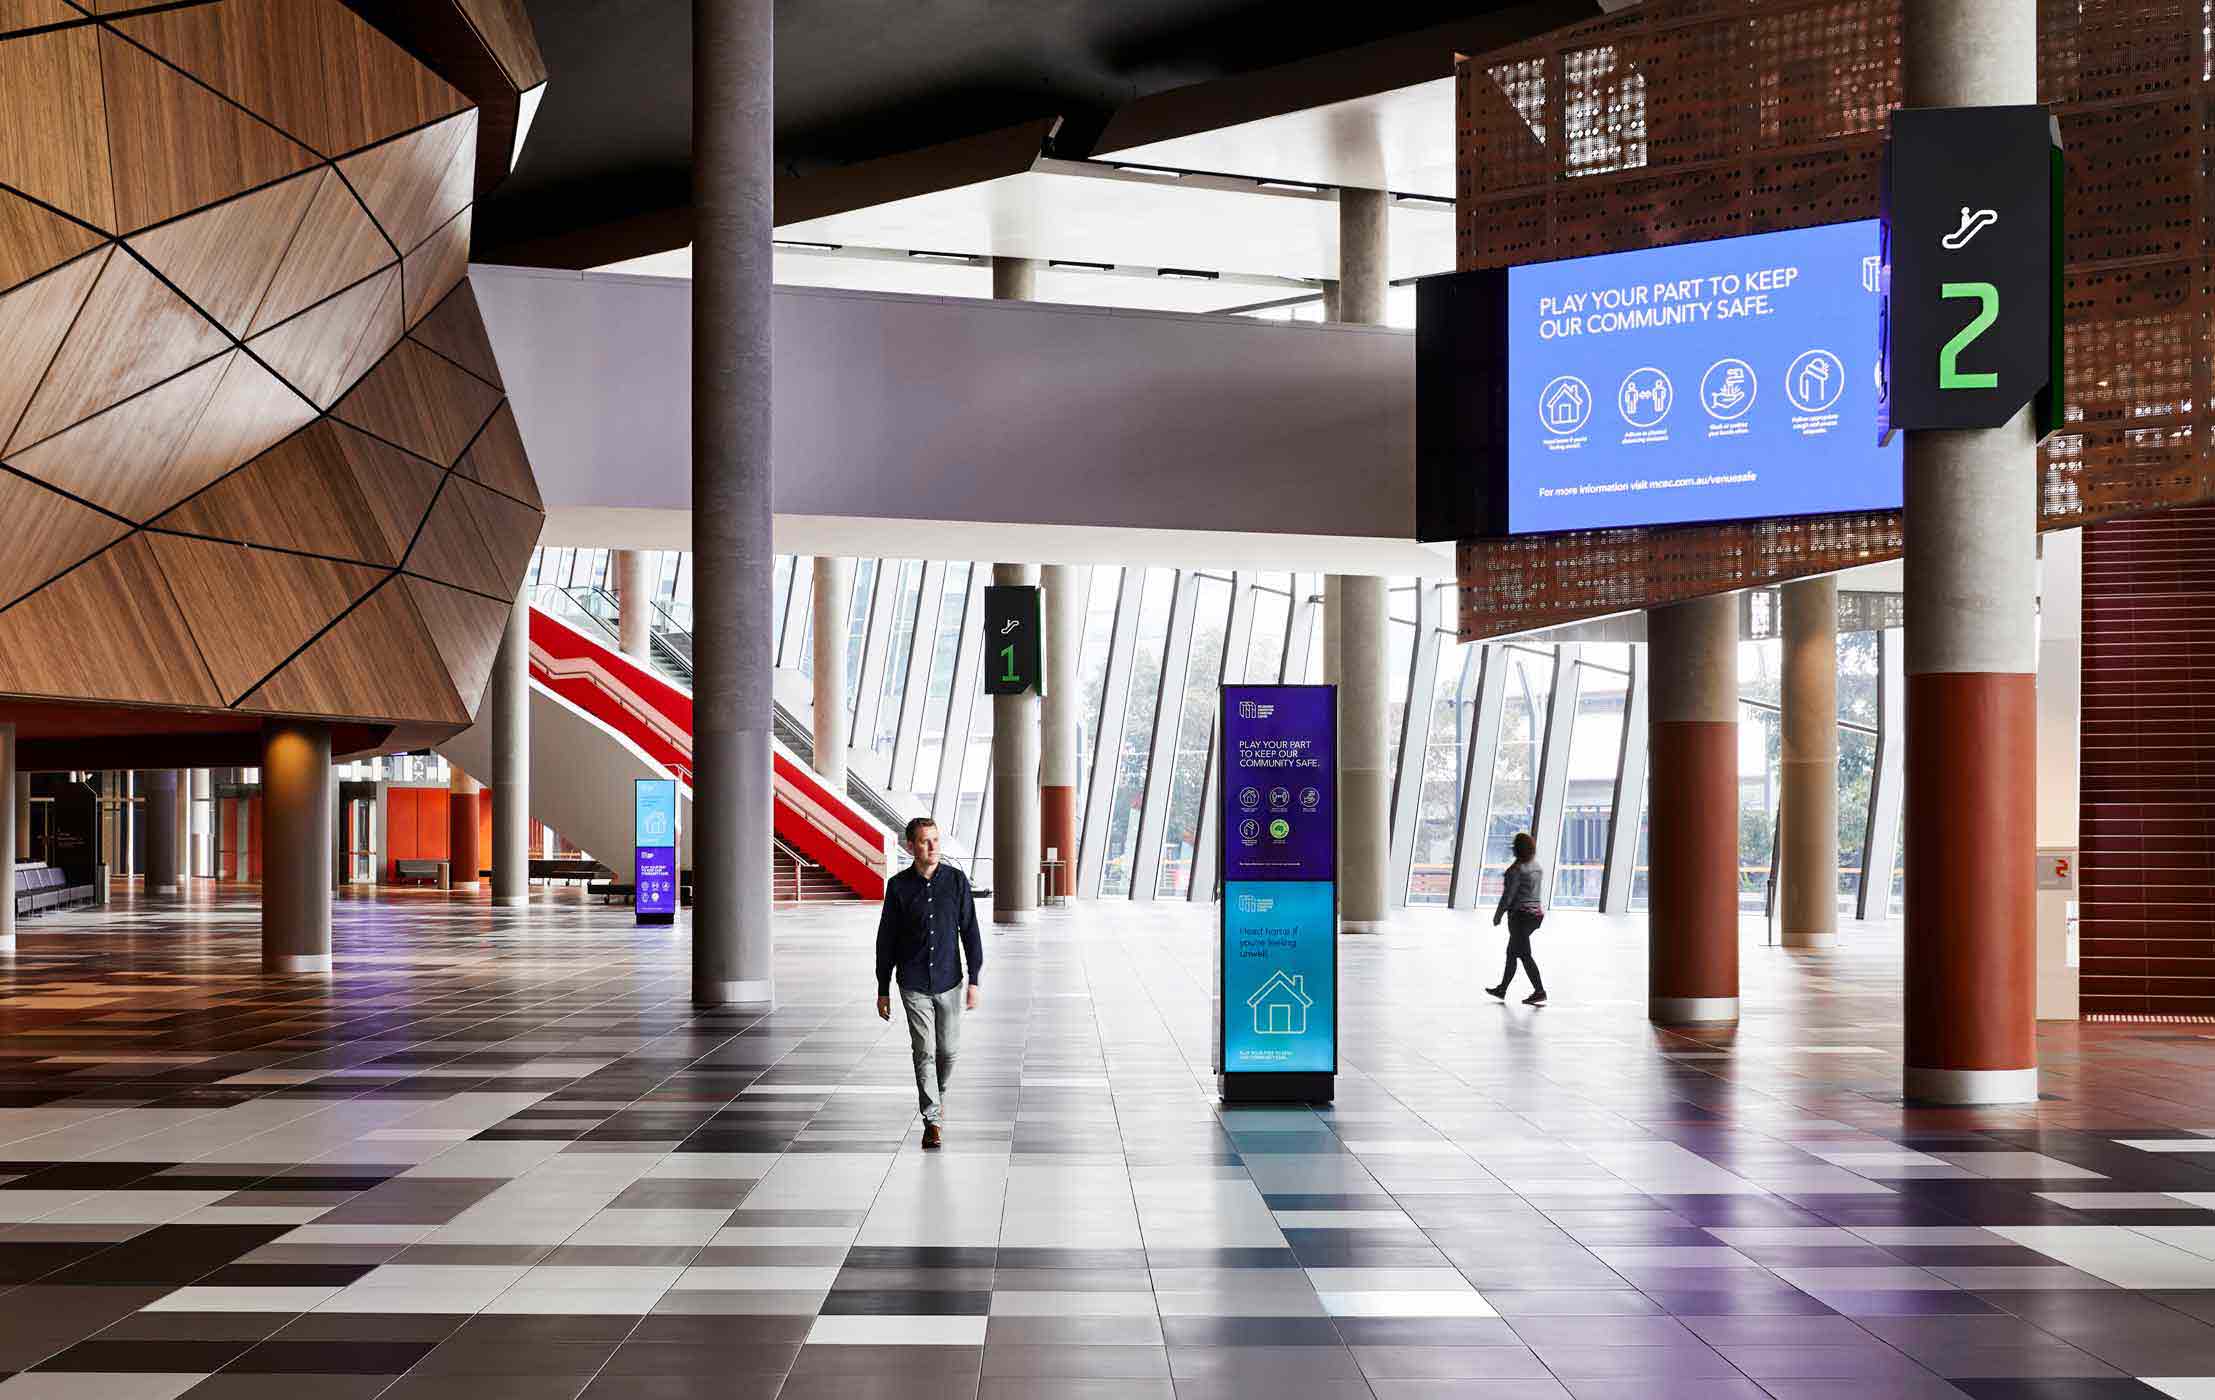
x=496, y=1157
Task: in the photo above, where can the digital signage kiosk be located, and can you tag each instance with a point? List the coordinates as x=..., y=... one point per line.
x=1277, y=955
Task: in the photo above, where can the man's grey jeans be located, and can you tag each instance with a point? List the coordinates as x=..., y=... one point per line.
x=934, y=1034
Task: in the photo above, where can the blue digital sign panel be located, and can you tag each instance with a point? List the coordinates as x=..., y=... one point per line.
x=1280, y=971
x=1282, y=818
x=654, y=866
x=1725, y=380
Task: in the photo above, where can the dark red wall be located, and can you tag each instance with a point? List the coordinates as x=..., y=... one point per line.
x=2147, y=879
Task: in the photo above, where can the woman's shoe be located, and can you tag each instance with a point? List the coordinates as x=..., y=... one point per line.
x=1535, y=999
x=1499, y=991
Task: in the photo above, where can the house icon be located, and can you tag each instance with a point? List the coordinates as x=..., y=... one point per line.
x=1565, y=406
x=1280, y=1006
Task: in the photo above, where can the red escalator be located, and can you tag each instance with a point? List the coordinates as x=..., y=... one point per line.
x=639, y=704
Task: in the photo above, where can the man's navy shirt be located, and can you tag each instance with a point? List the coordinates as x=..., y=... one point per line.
x=925, y=928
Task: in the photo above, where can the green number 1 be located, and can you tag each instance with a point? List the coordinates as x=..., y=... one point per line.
x=1007, y=655
x=1988, y=297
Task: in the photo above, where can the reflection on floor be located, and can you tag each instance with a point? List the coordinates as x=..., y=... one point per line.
x=497, y=1156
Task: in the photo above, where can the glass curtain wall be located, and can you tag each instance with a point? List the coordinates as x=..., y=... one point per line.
x=1482, y=723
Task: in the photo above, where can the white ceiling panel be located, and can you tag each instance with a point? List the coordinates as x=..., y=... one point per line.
x=1080, y=213
x=1402, y=140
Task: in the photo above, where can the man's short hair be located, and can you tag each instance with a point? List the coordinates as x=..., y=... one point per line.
x=914, y=825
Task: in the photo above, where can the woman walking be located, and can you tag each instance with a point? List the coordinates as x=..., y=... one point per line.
x=1523, y=905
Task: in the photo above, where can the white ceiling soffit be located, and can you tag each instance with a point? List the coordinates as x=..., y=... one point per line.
x=1085, y=211
x=883, y=270
x=1402, y=140
x=885, y=537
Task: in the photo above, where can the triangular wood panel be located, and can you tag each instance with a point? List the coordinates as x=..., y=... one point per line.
x=456, y=329
x=428, y=405
x=301, y=494
x=507, y=30
x=33, y=239
x=497, y=459
x=315, y=70
x=133, y=333
x=53, y=128
x=451, y=548
x=322, y=351
x=419, y=181
x=467, y=629
x=224, y=258
x=30, y=14
x=106, y=630
x=288, y=599
x=146, y=454
x=510, y=531
x=33, y=320
x=397, y=487
x=47, y=533
x=337, y=246
x=377, y=662
x=178, y=146
x=437, y=266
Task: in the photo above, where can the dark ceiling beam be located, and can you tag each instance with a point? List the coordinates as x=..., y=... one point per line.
x=1384, y=65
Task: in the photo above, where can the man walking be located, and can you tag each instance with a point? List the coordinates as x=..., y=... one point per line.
x=928, y=926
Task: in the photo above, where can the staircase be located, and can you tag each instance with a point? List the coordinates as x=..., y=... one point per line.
x=801, y=881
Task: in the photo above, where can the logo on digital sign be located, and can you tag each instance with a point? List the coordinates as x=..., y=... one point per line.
x=1565, y=405
x=1728, y=390
x=1249, y=831
x=1279, y=829
x=1645, y=397
x=1249, y=799
x=1815, y=381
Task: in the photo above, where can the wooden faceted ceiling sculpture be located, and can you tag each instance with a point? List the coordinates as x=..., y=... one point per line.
x=257, y=455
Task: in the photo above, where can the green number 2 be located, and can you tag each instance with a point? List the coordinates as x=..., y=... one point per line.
x=1949, y=374
x=1007, y=656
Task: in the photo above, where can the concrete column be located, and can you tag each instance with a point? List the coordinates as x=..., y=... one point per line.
x=1692, y=787
x=1015, y=823
x=511, y=759
x=159, y=786
x=834, y=592
x=1362, y=266
x=22, y=816
x=733, y=170
x=1807, y=809
x=1014, y=279
x=1058, y=737
x=464, y=844
x=1364, y=754
x=296, y=847
x=200, y=790
x=11, y=834
x=1354, y=624
x=1972, y=704
x=634, y=595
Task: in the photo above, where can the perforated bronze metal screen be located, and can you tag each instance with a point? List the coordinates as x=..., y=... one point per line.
x=1689, y=119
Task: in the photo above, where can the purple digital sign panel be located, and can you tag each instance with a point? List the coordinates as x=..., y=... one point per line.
x=1280, y=796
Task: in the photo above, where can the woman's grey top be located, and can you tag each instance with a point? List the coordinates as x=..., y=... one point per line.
x=1526, y=883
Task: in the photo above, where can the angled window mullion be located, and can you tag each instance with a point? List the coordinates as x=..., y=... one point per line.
x=1551, y=792
x=1482, y=764
x=1415, y=722
x=968, y=684
x=1887, y=782
x=1625, y=804
x=1161, y=752
x=928, y=602
x=1237, y=639
x=1299, y=635
x=1115, y=691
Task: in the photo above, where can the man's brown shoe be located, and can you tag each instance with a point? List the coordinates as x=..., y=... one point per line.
x=930, y=1137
